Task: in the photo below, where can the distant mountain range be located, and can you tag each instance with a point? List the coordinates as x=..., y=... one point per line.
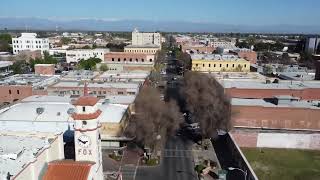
x=147, y=25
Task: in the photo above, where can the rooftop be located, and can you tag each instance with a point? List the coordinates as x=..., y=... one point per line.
x=120, y=99
x=86, y=101
x=143, y=46
x=120, y=85
x=261, y=102
x=36, y=81
x=17, y=151
x=80, y=75
x=216, y=57
x=258, y=84
x=37, y=115
x=68, y=169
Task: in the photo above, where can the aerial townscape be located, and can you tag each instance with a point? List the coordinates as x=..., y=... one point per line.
x=163, y=98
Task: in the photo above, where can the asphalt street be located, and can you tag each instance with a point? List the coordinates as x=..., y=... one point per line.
x=176, y=163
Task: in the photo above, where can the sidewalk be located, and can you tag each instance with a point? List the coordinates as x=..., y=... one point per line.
x=200, y=154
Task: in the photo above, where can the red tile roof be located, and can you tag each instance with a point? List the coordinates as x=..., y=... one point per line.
x=94, y=115
x=86, y=101
x=67, y=170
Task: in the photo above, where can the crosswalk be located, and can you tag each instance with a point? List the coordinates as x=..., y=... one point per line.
x=128, y=172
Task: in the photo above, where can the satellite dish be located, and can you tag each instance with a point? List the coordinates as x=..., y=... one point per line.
x=71, y=111
x=40, y=110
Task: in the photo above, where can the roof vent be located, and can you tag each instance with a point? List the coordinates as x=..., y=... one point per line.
x=40, y=110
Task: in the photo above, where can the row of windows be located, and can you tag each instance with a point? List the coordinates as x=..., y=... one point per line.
x=142, y=51
x=99, y=92
x=220, y=65
x=27, y=46
x=28, y=41
x=130, y=60
x=10, y=92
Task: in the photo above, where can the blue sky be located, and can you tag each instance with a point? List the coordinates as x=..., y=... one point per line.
x=240, y=12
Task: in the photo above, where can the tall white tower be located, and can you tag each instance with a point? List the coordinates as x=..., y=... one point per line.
x=87, y=137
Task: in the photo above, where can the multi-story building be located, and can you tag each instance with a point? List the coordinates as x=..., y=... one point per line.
x=223, y=44
x=76, y=55
x=145, y=49
x=219, y=63
x=124, y=61
x=29, y=41
x=143, y=38
x=20, y=86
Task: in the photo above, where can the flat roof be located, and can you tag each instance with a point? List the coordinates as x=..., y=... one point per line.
x=125, y=75
x=256, y=84
x=54, y=116
x=79, y=75
x=120, y=85
x=143, y=46
x=216, y=57
x=18, y=151
x=120, y=99
x=36, y=81
x=263, y=103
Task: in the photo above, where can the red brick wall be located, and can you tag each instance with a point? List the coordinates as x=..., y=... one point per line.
x=248, y=55
x=45, y=69
x=10, y=93
x=124, y=56
x=279, y=117
x=306, y=94
x=245, y=139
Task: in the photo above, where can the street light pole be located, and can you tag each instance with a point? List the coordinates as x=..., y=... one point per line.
x=244, y=172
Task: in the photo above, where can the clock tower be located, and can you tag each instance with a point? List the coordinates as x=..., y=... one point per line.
x=87, y=138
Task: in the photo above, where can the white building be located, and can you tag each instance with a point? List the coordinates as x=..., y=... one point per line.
x=143, y=38
x=76, y=55
x=29, y=41
x=23, y=155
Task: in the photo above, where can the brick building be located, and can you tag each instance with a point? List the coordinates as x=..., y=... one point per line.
x=198, y=49
x=44, y=69
x=18, y=87
x=124, y=61
x=257, y=89
x=246, y=54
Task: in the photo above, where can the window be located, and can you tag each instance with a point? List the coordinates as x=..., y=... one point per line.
x=150, y=60
x=104, y=92
x=124, y=59
x=142, y=60
x=214, y=65
x=220, y=65
x=18, y=92
x=196, y=65
x=112, y=59
x=94, y=92
x=84, y=123
x=233, y=65
x=9, y=91
x=202, y=65
x=209, y=65
x=83, y=109
x=120, y=92
x=227, y=65
x=118, y=59
x=136, y=60
x=131, y=93
x=245, y=65
x=130, y=60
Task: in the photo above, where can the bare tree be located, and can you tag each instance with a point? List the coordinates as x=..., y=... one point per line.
x=207, y=102
x=154, y=119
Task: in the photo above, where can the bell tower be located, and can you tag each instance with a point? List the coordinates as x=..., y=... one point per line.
x=87, y=137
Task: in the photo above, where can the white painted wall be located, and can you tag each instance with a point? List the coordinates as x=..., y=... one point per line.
x=29, y=41
x=284, y=140
x=76, y=55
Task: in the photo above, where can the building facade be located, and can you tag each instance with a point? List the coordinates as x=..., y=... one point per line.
x=76, y=55
x=146, y=49
x=218, y=63
x=143, y=38
x=29, y=41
